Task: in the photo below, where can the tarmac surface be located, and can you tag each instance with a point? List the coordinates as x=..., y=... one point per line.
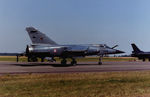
x=23, y=67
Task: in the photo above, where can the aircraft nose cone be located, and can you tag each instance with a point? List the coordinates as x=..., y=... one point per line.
x=118, y=51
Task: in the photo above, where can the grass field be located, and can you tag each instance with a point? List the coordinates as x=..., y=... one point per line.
x=106, y=84
x=110, y=84
x=24, y=59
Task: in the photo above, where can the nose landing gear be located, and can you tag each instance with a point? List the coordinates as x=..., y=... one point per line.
x=100, y=60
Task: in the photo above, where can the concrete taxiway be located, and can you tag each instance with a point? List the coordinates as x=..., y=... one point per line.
x=23, y=67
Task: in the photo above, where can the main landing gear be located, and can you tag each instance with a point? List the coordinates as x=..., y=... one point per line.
x=74, y=62
x=64, y=61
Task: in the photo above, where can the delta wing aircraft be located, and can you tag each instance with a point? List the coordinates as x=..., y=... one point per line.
x=42, y=47
x=140, y=54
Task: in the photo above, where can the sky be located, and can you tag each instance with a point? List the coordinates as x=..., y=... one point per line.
x=111, y=22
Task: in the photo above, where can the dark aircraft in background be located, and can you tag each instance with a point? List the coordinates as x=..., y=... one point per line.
x=43, y=47
x=140, y=54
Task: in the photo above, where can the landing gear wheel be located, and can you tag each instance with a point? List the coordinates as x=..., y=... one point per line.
x=100, y=60
x=99, y=63
x=74, y=63
x=64, y=62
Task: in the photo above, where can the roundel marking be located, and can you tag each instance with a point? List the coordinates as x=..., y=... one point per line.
x=55, y=50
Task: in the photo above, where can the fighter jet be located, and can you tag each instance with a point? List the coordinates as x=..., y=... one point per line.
x=140, y=54
x=42, y=47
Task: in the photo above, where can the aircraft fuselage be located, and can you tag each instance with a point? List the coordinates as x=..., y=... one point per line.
x=69, y=50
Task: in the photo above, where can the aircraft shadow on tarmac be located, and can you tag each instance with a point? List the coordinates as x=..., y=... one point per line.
x=47, y=64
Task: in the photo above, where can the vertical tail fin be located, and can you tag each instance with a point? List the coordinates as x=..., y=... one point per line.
x=38, y=37
x=135, y=48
